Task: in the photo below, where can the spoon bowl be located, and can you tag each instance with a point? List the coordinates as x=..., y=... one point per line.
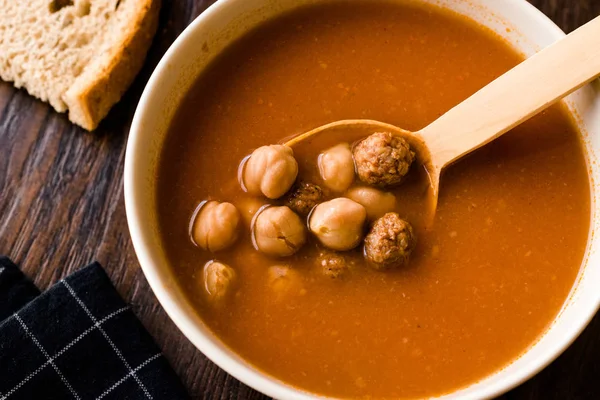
x=366, y=127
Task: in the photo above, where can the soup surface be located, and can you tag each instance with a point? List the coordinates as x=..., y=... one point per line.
x=484, y=281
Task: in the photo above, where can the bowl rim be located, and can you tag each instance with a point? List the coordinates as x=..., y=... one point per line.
x=224, y=357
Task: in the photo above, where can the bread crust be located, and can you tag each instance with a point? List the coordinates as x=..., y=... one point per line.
x=108, y=76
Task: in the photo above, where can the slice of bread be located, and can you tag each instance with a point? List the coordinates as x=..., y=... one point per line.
x=78, y=55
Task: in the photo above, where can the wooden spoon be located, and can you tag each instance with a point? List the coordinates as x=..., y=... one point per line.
x=514, y=97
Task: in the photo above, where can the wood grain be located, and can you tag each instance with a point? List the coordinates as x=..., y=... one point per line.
x=61, y=206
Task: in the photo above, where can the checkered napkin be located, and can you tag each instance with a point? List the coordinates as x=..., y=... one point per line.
x=78, y=340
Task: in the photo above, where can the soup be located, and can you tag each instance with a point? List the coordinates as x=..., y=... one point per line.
x=483, y=282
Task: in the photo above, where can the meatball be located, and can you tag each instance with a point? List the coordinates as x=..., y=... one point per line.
x=389, y=243
x=383, y=159
x=374, y=201
x=332, y=265
x=303, y=197
x=284, y=281
x=219, y=280
x=278, y=231
x=270, y=171
x=338, y=223
x=337, y=167
x=215, y=226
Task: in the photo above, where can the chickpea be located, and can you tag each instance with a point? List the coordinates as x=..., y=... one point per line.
x=337, y=167
x=219, y=280
x=284, y=281
x=216, y=226
x=278, y=231
x=338, y=223
x=270, y=171
x=374, y=201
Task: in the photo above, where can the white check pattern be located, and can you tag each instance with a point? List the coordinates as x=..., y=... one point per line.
x=129, y=375
x=50, y=360
x=110, y=342
x=59, y=353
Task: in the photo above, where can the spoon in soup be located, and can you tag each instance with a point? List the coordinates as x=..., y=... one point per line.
x=511, y=99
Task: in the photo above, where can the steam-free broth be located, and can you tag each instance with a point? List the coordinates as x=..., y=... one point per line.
x=484, y=281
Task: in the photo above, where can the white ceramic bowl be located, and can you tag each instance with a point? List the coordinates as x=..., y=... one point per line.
x=225, y=21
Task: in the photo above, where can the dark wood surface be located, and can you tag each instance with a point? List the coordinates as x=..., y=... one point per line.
x=61, y=206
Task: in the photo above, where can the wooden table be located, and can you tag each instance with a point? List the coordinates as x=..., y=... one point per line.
x=61, y=206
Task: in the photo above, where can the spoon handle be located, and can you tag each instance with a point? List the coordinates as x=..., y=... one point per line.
x=514, y=97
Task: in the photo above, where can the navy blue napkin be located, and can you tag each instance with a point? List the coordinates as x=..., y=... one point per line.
x=78, y=340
